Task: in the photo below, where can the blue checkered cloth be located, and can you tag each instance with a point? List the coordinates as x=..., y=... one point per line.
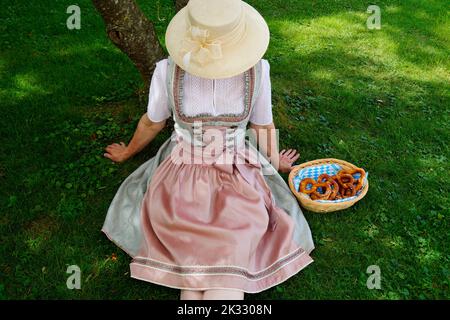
x=331, y=169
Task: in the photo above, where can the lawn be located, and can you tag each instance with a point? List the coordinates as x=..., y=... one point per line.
x=377, y=98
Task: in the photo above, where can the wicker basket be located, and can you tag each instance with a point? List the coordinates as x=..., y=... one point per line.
x=324, y=207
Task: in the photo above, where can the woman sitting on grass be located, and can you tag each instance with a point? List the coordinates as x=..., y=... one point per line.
x=213, y=229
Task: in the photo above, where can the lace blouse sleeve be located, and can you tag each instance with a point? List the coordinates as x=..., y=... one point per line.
x=158, y=104
x=262, y=110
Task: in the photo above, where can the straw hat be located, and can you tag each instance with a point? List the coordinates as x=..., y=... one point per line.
x=217, y=39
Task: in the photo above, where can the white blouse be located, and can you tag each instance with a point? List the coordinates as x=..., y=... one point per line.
x=216, y=96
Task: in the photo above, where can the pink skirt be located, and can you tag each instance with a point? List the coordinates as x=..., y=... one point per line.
x=214, y=227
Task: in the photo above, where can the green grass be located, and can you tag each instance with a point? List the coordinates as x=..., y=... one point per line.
x=377, y=98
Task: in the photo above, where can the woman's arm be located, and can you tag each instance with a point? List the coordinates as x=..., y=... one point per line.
x=145, y=132
x=266, y=138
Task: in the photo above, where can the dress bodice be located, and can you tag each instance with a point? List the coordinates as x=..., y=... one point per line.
x=232, y=124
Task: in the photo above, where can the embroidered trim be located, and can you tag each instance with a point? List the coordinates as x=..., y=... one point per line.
x=178, y=87
x=221, y=269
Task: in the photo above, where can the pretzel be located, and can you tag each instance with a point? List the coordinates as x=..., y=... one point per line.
x=333, y=185
x=305, y=182
x=349, y=192
x=323, y=177
x=344, y=179
x=357, y=183
x=362, y=176
x=326, y=194
x=314, y=197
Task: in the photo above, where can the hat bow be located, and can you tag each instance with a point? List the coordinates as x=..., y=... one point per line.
x=199, y=48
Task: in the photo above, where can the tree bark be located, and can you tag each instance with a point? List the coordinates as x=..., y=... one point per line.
x=133, y=33
x=179, y=4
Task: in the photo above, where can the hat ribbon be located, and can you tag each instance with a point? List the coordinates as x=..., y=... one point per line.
x=198, y=48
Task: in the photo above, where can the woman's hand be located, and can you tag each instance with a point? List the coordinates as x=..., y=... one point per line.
x=145, y=132
x=117, y=152
x=287, y=158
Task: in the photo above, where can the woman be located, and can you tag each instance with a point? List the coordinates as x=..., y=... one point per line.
x=219, y=223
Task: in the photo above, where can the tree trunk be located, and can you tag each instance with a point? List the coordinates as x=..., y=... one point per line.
x=179, y=4
x=133, y=33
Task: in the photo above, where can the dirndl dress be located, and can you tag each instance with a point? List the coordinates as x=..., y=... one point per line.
x=207, y=223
